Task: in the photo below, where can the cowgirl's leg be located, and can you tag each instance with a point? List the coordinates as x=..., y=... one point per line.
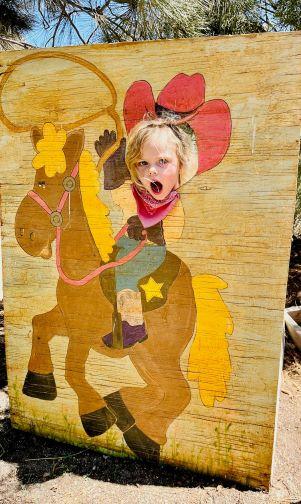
x=129, y=305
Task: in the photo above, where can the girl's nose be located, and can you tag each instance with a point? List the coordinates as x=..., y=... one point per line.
x=153, y=171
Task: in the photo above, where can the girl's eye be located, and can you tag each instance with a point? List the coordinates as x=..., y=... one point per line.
x=162, y=161
x=142, y=163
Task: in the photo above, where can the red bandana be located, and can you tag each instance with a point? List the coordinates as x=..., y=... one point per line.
x=151, y=211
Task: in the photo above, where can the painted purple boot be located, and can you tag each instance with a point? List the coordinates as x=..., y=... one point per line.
x=130, y=335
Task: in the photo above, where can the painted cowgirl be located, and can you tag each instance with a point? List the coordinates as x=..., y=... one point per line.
x=163, y=151
x=156, y=155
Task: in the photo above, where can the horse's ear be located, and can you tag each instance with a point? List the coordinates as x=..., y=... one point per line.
x=36, y=135
x=73, y=147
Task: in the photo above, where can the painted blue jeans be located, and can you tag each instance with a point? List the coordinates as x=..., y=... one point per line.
x=144, y=263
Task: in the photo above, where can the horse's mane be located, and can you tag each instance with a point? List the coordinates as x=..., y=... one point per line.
x=96, y=211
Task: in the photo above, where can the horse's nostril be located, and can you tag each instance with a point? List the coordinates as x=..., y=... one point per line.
x=22, y=230
x=32, y=236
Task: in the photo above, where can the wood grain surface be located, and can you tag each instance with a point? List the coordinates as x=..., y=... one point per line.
x=237, y=228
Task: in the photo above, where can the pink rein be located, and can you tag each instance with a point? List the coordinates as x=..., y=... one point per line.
x=82, y=281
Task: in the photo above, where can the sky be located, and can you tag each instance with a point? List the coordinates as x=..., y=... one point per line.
x=38, y=36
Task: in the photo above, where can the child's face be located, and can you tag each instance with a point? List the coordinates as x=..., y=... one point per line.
x=158, y=166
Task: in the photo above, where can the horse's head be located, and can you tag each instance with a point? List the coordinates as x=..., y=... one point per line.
x=33, y=227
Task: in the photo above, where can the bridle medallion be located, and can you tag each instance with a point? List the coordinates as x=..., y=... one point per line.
x=56, y=219
x=69, y=184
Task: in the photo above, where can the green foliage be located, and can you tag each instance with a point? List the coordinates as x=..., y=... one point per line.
x=288, y=14
x=87, y=21
x=14, y=21
x=297, y=219
x=298, y=204
x=152, y=19
x=226, y=17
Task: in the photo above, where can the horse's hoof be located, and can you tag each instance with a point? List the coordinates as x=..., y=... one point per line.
x=141, y=444
x=124, y=418
x=97, y=422
x=136, y=440
x=40, y=386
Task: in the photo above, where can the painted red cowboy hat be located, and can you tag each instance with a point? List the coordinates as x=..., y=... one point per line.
x=184, y=96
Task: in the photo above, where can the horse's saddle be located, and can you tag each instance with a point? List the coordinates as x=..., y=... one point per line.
x=153, y=287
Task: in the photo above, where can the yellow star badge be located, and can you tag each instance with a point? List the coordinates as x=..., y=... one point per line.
x=152, y=289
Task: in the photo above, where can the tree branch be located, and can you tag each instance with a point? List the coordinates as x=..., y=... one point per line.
x=91, y=34
x=25, y=45
x=66, y=14
x=118, y=25
x=89, y=10
x=55, y=31
x=46, y=25
x=266, y=9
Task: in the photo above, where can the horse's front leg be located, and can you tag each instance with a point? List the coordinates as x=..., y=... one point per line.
x=95, y=416
x=39, y=381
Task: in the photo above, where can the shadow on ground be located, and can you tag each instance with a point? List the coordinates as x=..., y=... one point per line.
x=40, y=459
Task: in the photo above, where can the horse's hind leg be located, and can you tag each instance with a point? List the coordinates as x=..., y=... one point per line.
x=39, y=381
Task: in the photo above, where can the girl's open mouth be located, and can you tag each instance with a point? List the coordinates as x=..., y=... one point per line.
x=156, y=186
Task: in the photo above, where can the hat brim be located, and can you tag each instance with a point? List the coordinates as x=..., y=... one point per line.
x=139, y=101
x=212, y=127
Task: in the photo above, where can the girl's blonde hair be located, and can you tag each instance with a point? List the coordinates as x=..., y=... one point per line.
x=185, y=146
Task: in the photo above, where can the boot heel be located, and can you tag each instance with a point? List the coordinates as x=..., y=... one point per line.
x=117, y=331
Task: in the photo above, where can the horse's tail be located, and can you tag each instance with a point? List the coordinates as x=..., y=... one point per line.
x=209, y=360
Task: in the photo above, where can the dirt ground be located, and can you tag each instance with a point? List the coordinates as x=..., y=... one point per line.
x=38, y=470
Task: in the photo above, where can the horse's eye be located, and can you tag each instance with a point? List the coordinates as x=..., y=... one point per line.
x=42, y=184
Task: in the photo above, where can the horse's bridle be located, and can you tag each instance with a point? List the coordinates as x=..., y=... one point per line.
x=56, y=220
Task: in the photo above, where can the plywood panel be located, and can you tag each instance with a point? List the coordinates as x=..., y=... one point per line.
x=201, y=391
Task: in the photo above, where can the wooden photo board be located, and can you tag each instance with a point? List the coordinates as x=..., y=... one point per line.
x=194, y=381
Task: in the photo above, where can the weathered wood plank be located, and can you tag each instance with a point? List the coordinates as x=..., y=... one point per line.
x=238, y=219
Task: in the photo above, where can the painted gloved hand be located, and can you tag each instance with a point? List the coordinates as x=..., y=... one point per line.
x=154, y=233
x=115, y=169
x=135, y=228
